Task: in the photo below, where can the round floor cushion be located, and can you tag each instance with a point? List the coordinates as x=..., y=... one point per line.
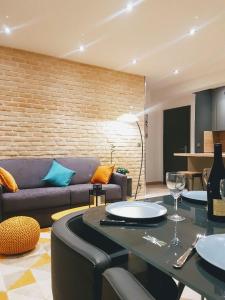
x=18, y=235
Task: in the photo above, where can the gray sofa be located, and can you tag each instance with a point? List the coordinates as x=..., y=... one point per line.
x=39, y=201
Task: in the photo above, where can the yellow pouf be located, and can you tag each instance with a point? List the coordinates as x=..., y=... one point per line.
x=18, y=235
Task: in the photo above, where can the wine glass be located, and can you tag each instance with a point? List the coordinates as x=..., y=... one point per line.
x=175, y=183
x=222, y=188
x=175, y=240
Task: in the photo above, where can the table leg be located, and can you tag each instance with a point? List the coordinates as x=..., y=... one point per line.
x=180, y=289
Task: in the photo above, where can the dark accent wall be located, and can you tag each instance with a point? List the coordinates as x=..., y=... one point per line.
x=203, y=117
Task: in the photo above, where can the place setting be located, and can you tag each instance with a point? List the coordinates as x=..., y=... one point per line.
x=144, y=213
x=196, y=197
x=210, y=248
x=134, y=213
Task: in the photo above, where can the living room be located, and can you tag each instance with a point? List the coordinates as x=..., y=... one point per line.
x=99, y=100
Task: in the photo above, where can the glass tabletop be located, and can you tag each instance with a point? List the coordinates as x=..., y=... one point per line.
x=153, y=244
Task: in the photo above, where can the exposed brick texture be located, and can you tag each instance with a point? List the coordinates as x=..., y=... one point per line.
x=54, y=107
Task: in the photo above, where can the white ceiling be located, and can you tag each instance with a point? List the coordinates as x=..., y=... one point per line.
x=155, y=32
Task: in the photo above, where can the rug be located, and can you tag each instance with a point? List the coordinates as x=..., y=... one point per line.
x=28, y=276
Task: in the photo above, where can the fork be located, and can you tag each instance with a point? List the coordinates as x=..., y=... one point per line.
x=182, y=259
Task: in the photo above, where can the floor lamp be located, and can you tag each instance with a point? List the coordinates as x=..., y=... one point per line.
x=131, y=118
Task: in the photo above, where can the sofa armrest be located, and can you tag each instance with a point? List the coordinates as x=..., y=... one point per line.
x=121, y=180
x=1, y=203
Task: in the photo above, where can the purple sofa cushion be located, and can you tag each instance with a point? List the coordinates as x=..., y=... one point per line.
x=83, y=166
x=80, y=193
x=38, y=198
x=28, y=172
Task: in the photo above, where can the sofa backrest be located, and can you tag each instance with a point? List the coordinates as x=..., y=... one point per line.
x=27, y=172
x=83, y=166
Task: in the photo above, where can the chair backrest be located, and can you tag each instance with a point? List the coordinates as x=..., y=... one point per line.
x=76, y=264
x=119, y=284
x=79, y=257
x=205, y=176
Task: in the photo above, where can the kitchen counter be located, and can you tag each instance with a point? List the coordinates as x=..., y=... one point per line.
x=193, y=154
x=199, y=161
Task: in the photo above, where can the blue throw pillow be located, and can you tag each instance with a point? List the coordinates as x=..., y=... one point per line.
x=59, y=175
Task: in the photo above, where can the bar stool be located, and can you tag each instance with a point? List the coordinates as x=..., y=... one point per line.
x=205, y=176
x=191, y=176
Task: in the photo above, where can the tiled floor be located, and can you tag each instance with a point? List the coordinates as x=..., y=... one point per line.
x=156, y=190
x=28, y=277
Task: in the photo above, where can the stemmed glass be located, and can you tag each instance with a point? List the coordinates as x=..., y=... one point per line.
x=175, y=240
x=222, y=188
x=175, y=183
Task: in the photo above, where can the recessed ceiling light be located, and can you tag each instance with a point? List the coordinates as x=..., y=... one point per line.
x=192, y=31
x=176, y=71
x=7, y=17
x=196, y=17
x=134, y=61
x=81, y=48
x=7, y=30
x=129, y=7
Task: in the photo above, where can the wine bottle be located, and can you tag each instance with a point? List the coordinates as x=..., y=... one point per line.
x=216, y=206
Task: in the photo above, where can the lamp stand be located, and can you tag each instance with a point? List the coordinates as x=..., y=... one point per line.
x=142, y=157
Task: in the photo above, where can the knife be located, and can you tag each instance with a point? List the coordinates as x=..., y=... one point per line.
x=126, y=223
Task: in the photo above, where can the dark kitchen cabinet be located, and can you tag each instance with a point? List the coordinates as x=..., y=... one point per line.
x=218, y=109
x=203, y=117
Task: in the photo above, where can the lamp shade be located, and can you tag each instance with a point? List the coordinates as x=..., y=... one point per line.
x=128, y=118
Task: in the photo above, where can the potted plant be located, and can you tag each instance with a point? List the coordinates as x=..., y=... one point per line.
x=122, y=170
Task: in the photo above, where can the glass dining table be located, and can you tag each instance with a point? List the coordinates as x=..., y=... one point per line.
x=155, y=244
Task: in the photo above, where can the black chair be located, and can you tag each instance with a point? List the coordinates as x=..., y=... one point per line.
x=160, y=285
x=119, y=284
x=80, y=255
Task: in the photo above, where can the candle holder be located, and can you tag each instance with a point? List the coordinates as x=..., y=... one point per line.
x=97, y=196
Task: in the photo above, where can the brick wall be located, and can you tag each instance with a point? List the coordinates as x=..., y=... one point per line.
x=51, y=107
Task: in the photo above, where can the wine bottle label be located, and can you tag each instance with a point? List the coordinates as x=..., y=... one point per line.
x=219, y=207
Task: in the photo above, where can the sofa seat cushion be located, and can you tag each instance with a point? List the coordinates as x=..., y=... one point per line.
x=80, y=193
x=113, y=192
x=38, y=198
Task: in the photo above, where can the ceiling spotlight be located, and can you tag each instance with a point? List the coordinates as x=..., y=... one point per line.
x=7, y=17
x=129, y=7
x=7, y=30
x=134, y=61
x=192, y=31
x=176, y=71
x=81, y=49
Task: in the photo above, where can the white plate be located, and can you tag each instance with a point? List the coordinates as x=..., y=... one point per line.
x=212, y=249
x=136, y=210
x=196, y=196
